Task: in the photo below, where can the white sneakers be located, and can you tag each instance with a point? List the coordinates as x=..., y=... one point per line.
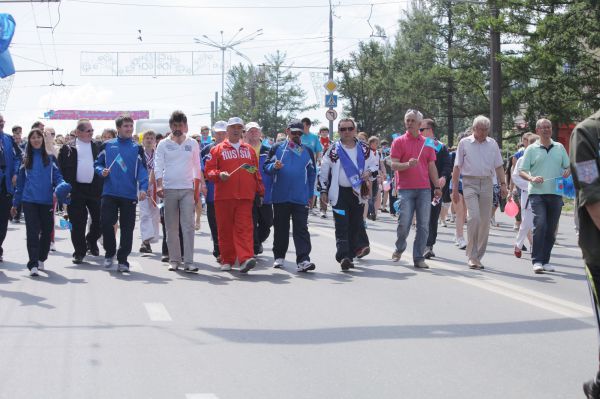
x=41, y=265
x=461, y=243
x=305, y=266
x=123, y=268
x=225, y=268
x=278, y=264
x=247, y=265
x=33, y=272
x=548, y=268
x=539, y=268
x=108, y=262
x=173, y=266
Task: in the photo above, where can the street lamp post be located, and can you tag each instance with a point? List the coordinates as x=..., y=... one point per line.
x=230, y=45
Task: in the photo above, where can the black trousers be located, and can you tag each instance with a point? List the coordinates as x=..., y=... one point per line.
x=5, y=205
x=212, y=224
x=263, y=221
x=433, y=222
x=281, y=234
x=39, y=221
x=78, y=211
x=350, y=233
x=123, y=210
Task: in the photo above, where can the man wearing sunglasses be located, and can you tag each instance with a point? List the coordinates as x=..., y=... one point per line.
x=443, y=164
x=342, y=180
x=414, y=163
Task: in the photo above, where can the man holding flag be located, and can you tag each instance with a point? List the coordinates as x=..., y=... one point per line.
x=545, y=163
x=233, y=167
x=121, y=162
x=342, y=180
x=443, y=164
x=413, y=158
x=293, y=169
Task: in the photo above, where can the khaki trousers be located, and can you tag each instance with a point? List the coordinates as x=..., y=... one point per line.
x=478, y=192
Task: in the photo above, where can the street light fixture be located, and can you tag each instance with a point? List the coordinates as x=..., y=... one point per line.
x=230, y=45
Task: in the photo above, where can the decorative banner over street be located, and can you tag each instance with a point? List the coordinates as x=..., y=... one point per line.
x=74, y=115
x=182, y=63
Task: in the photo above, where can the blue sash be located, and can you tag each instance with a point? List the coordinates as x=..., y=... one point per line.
x=353, y=172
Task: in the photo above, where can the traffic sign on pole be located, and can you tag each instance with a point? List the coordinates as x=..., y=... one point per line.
x=331, y=114
x=330, y=86
x=331, y=100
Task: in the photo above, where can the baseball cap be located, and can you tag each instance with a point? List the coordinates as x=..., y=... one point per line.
x=296, y=125
x=251, y=125
x=220, y=126
x=235, y=121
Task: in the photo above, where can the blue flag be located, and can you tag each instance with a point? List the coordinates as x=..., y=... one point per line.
x=119, y=159
x=433, y=143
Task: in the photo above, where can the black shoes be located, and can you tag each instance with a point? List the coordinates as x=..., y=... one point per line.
x=346, y=264
x=592, y=389
x=146, y=248
x=93, y=250
x=428, y=253
x=77, y=259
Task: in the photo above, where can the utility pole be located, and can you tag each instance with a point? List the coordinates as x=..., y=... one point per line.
x=495, y=77
x=450, y=87
x=330, y=59
x=230, y=45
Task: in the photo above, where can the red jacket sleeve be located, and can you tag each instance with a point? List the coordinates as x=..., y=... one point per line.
x=260, y=188
x=211, y=166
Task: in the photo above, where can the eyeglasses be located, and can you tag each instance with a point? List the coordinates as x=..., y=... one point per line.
x=346, y=129
x=89, y=130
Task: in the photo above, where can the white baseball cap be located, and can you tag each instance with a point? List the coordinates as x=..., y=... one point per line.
x=251, y=125
x=235, y=121
x=220, y=126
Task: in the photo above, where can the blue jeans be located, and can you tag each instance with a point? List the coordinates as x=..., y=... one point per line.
x=418, y=200
x=546, y=212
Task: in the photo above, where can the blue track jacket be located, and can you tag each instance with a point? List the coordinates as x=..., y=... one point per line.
x=36, y=185
x=294, y=182
x=128, y=173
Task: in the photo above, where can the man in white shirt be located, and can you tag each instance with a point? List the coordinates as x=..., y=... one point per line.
x=478, y=158
x=178, y=181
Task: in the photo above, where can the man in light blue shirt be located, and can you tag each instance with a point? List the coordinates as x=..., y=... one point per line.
x=544, y=162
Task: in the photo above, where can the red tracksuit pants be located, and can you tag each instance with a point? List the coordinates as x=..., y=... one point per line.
x=236, y=230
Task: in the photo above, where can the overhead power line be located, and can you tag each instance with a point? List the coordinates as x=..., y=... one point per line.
x=235, y=7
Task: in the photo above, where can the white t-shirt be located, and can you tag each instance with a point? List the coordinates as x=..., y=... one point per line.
x=177, y=164
x=85, y=162
x=343, y=180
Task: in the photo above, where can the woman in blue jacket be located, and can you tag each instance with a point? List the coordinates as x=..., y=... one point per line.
x=36, y=180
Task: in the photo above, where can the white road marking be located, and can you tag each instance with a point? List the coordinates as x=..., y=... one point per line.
x=157, y=311
x=201, y=396
x=484, y=281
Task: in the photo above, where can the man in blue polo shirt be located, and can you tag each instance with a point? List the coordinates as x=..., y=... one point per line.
x=544, y=162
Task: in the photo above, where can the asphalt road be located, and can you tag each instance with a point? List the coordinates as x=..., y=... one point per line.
x=383, y=330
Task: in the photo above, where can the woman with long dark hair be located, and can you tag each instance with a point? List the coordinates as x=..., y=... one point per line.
x=37, y=178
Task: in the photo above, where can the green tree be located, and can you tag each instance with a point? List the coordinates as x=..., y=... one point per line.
x=269, y=94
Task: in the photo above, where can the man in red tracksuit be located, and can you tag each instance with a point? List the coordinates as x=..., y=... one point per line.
x=233, y=167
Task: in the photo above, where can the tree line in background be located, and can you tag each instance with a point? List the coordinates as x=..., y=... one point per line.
x=439, y=63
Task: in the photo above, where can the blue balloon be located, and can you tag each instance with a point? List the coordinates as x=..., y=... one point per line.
x=7, y=31
x=7, y=67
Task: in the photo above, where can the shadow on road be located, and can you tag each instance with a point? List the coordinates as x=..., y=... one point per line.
x=323, y=336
